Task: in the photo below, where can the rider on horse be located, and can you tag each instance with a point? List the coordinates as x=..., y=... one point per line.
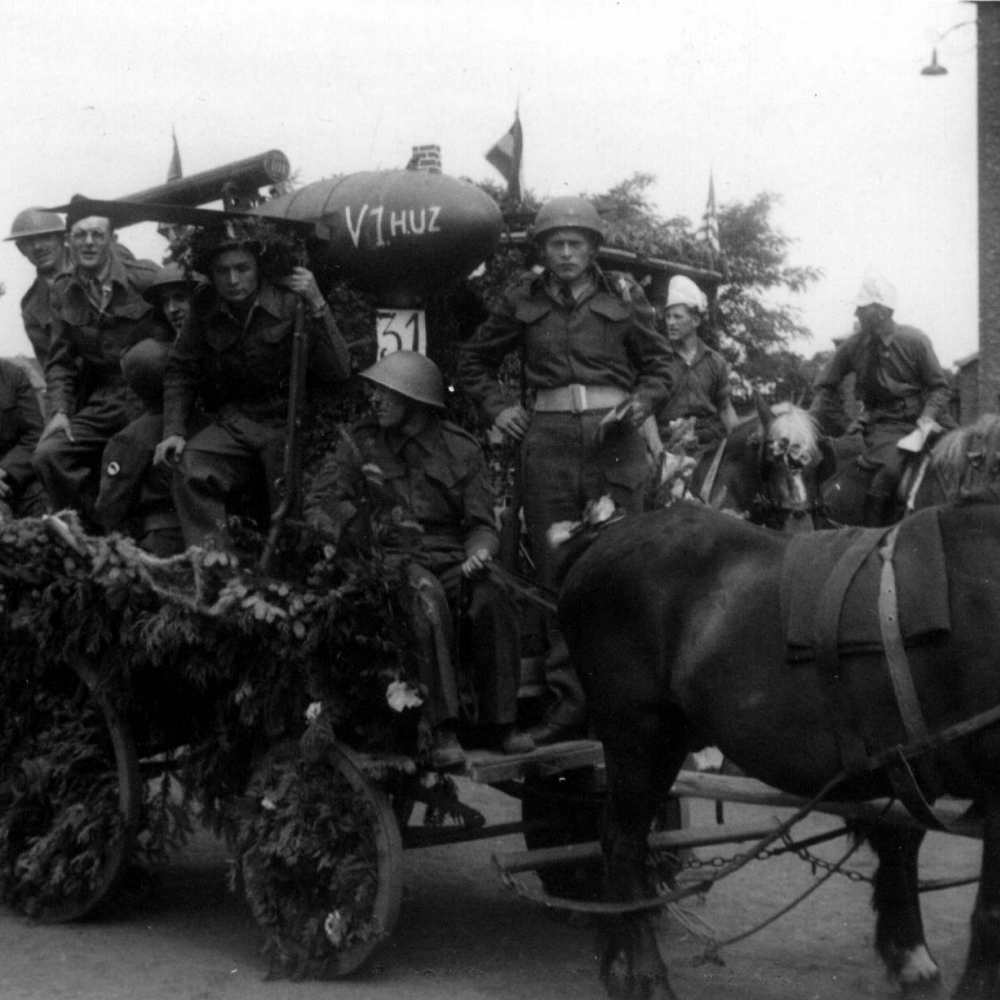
x=899, y=382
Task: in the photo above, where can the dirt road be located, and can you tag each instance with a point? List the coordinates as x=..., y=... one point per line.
x=463, y=937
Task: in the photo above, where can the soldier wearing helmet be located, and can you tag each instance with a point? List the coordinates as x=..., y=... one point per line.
x=437, y=473
x=40, y=236
x=597, y=369
x=234, y=357
x=99, y=314
x=169, y=294
x=899, y=382
x=21, y=493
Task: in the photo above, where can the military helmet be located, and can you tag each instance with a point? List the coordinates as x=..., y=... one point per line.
x=35, y=222
x=568, y=213
x=144, y=367
x=167, y=277
x=410, y=374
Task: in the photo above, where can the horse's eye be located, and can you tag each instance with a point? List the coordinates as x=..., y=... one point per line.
x=976, y=458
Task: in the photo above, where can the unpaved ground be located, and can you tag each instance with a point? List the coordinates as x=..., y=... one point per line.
x=463, y=937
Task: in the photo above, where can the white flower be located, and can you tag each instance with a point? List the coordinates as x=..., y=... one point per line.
x=334, y=928
x=314, y=711
x=266, y=803
x=601, y=510
x=560, y=532
x=400, y=695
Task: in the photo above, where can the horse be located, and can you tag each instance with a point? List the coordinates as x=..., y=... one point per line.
x=673, y=620
x=768, y=470
x=961, y=464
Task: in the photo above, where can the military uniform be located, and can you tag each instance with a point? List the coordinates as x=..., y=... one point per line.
x=38, y=316
x=84, y=377
x=700, y=390
x=240, y=372
x=20, y=428
x=581, y=359
x=438, y=473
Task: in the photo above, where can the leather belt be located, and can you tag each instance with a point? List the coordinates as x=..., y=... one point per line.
x=578, y=398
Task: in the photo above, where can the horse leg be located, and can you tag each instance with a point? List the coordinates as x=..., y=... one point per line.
x=641, y=767
x=899, y=929
x=981, y=978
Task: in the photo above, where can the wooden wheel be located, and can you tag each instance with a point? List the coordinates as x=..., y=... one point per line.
x=70, y=801
x=322, y=862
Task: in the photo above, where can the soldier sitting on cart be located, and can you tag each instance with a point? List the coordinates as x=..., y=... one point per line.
x=439, y=475
x=234, y=356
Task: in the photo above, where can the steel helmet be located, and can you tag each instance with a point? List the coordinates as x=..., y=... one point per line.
x=568, y=213
x=167, y=277
x=410, y=374
x=35, y=222
x=144, y=367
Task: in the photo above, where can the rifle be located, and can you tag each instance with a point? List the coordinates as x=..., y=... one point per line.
x=292, y=469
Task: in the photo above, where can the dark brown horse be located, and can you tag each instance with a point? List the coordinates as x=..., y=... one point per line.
x=674, y=623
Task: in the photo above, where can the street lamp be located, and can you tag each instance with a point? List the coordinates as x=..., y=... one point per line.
x=935, y=68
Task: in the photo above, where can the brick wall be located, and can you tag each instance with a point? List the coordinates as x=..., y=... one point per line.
x=426, y=158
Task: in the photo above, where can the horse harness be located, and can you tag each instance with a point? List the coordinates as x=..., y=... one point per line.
x=919, y=740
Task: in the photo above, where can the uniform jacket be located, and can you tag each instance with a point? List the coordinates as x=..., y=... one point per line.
x=606, y=339
x=38, y=316
x=908, y=381
x=227, y=363
x=20, y=423
x=436, y=473
x=87, y=342
x=699, y=390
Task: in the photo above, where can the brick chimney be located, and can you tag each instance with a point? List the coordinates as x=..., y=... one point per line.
x=426, y=158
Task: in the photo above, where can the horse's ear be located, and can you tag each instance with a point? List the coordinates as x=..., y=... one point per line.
x=828, y=461
x=764, y=412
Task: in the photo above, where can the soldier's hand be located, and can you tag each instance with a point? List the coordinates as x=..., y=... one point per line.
x=59, y=423
x=633, y=411
x=169, y=450
x=513, y=422
x=476, y=563
x=302, y=282
x=4, y=485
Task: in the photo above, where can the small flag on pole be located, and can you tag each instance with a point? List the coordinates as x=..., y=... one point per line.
x=708, y=231
x=505, y=155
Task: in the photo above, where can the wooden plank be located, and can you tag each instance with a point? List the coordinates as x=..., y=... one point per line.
x=486, y=767
x=572, y=854
x=732, y=788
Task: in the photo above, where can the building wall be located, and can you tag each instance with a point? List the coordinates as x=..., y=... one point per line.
x=988, y=116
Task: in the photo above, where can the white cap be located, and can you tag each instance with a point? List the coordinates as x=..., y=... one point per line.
x=684, y=292
x=876, y=291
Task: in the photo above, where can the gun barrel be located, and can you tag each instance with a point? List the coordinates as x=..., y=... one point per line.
x=252, y=173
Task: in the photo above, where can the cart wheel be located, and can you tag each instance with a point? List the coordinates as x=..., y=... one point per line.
x=70, y=802
x=559, y=810
x=322, y=862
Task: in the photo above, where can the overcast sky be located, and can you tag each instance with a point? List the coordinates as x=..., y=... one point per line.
x=823, y=104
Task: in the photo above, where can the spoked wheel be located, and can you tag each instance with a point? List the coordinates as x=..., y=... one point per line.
x=322, y=862
x=70, y=801
x=568, y=808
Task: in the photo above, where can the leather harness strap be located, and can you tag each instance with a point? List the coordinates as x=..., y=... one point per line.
x=705, y=493
x=827, y=624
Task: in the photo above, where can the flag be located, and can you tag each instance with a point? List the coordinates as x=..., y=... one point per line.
x=174, y=172
x=505, y=155
x=708, y=231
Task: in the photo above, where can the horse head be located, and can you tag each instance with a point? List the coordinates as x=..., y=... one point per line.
x=775, y=466
x=964, y=465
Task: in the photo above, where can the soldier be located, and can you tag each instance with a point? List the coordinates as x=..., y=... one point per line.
x=700, y=375
x=899, y=382
x=21, y=493
x=438, y=473
x=598, y=370
x=169, y=294
x=99, y=313
x=234, y=355
x=135, y=496
x=40, y=236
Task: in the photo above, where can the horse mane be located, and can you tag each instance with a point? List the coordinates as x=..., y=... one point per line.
x=962, y=460
x=798, y=428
